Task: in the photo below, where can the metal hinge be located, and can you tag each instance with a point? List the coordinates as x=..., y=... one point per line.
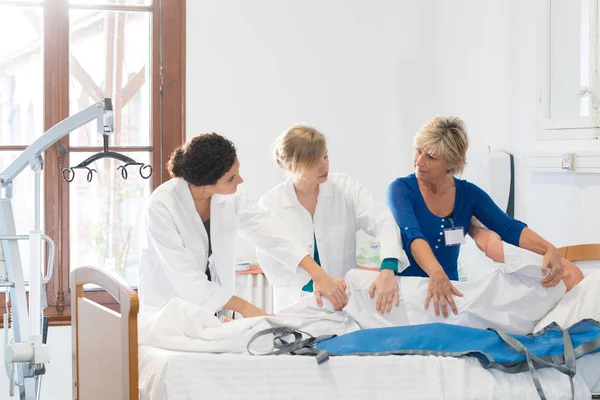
x=161, y=79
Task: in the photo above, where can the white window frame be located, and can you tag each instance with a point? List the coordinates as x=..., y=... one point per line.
x=566, y=128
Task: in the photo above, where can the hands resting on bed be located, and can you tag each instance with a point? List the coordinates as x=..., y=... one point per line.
x=386, y=288
x=440, y=290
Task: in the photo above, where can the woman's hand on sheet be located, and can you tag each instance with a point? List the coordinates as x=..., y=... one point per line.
x=334, y=289
x=441, y=290
x=224, y=319
x=552, y=260
x=386, y=286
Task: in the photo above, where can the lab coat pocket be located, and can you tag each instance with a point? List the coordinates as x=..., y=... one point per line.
x=337, y=244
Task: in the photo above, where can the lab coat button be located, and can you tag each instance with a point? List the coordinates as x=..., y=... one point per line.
x=442, y=226
x=441, y=233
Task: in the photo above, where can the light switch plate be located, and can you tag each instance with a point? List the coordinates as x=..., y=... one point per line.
x=567, y=161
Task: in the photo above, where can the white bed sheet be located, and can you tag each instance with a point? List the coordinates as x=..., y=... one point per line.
x=172, y=375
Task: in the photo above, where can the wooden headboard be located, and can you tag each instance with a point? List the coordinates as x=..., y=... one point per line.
x=105, y=350
x=580, y=252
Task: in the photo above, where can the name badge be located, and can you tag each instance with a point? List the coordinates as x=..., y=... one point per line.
x=454, y=236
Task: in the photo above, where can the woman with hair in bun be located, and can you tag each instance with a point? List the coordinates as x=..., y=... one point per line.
x=325, y=211
x=191, y=222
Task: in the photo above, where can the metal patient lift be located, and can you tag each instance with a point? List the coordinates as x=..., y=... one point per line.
x=25, y=327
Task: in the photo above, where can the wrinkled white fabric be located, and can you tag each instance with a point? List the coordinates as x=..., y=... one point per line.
x=185, y=326
x=510, y=300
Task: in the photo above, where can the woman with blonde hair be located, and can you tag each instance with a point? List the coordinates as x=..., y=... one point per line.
x=434, y=210
x=325, y=210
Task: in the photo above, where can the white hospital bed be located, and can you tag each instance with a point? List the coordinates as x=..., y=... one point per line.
x=172, y=375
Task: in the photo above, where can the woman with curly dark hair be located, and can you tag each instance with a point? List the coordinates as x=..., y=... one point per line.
x=191, y=223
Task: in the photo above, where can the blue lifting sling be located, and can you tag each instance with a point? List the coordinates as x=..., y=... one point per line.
x=551, y=347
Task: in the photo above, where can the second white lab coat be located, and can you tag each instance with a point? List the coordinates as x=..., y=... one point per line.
x=343, y=207
x=175, y=254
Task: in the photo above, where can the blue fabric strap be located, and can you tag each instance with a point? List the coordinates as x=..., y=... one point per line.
x=309, y=287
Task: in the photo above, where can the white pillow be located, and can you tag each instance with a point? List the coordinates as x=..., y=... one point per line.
x=582, y=302
x=588, y=267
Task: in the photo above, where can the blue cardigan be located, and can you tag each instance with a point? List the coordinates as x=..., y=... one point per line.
x=416, y=221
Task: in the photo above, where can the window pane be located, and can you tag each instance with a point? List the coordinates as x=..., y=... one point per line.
x=105, y=2
x=23, y=205
x=21, y=75
x=105, y=216
x=110, y=57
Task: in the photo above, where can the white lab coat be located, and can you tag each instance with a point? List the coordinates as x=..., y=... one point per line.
x=343, y=207
x=175, y=254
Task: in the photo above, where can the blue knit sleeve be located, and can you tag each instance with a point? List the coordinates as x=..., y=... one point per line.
x=486, y=211
x=401, y=200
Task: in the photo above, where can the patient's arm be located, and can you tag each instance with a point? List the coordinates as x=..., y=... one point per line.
x=475, y=226
x=487, y=241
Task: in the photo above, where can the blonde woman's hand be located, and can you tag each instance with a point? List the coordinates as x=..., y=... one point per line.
x=441, y=291
x=334, y=289
x=553, y=261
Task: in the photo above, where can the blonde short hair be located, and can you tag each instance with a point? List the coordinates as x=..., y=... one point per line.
x=447, y=137
x=299, y=148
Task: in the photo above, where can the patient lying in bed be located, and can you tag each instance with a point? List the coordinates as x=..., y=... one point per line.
x=510, y=299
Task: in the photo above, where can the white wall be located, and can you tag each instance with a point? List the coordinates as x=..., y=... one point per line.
x=562, y=207
x=359, y=71
x=487, y=56
x=487, y=74
x=356, y=70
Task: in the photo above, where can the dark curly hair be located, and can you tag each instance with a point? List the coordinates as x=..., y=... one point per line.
x=203, y=160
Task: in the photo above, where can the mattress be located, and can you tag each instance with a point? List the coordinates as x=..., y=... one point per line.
x=588, y=367
x=172, y=375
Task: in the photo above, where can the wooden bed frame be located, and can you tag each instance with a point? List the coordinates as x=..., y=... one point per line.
x=105, y=342
x=581, y=252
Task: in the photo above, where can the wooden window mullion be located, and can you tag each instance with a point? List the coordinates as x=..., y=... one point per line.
x=56, y=108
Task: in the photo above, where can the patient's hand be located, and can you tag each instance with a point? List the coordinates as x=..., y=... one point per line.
x=386, y=286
